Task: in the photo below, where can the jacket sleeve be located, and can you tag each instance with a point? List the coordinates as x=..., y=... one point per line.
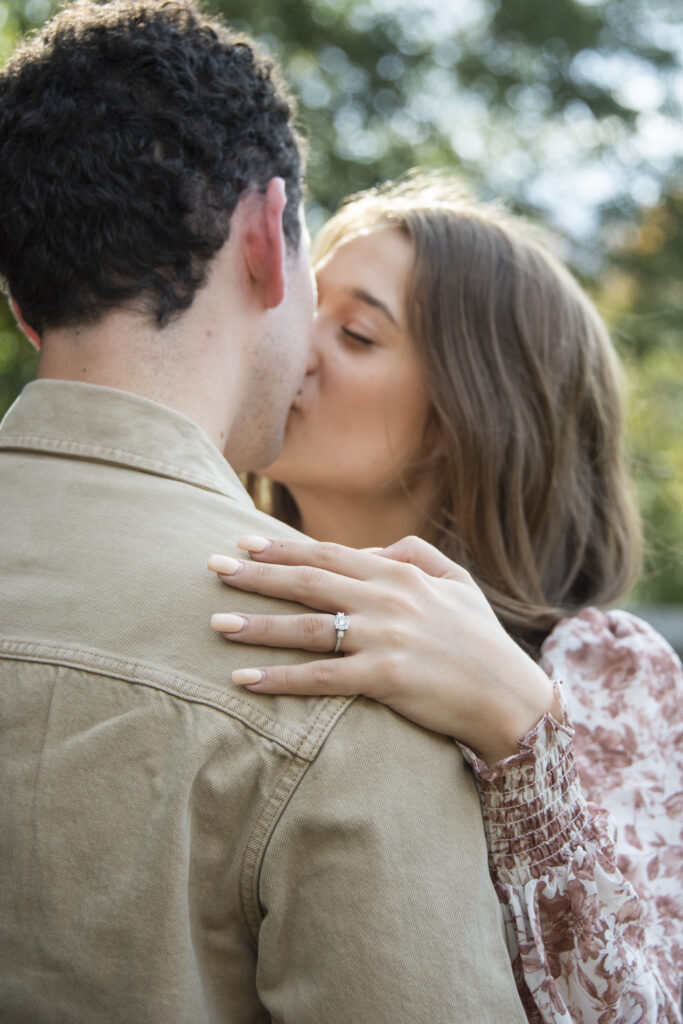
x=374, y=888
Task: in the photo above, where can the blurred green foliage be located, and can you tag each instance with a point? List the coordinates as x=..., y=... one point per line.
x=641, y=295
x=570, y=108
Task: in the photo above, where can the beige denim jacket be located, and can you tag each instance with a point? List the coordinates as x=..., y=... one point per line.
x=175, y=851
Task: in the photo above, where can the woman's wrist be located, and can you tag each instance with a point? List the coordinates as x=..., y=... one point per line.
x=512, y=709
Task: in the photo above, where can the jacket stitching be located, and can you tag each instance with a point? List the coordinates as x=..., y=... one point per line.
x=185, y=687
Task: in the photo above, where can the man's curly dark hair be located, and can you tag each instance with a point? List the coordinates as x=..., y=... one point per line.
x=129, y=132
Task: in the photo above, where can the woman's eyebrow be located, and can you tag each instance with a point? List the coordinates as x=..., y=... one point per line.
x=363, y=296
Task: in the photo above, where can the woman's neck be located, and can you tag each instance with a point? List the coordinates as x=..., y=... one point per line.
x=357, y=521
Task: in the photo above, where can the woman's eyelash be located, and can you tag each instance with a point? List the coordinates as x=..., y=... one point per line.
x=357, y=337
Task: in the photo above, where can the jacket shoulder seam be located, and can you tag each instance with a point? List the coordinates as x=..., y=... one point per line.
x=302, y=743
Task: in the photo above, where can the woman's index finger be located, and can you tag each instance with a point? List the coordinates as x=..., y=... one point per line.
x=352, y=562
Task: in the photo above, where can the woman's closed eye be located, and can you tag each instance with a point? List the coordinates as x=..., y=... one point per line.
x=361, y=338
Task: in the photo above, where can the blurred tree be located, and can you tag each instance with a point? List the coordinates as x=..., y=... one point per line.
x=571, y=108
x=18, y=359
x=641, y=296
x=531, y=100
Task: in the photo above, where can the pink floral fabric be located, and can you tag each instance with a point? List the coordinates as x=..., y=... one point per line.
x=585, y=835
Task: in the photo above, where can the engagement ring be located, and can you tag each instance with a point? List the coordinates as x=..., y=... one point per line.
x=341, y=624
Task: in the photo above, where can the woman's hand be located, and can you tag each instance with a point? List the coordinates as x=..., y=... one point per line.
x=422, y=637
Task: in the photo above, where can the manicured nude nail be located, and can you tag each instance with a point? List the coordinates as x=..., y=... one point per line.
x=223, y=564
x=223, y=622
x=248, y=676
x=254, y=544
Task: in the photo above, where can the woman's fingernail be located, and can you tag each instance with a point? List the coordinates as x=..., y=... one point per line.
x=225, y=565
x=248, y=676
x=253, y=544
x=224, y=622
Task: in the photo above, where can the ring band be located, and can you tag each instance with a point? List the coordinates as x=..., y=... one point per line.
x=341, y=624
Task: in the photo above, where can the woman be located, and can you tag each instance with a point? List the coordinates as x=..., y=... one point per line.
x=463, y=388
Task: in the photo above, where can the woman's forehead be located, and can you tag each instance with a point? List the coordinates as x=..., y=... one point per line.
x=377, y=248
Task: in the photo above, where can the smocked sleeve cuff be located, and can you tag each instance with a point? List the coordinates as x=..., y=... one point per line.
x=533, y=809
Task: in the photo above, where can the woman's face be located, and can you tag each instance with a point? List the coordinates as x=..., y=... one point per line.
x=359, y=419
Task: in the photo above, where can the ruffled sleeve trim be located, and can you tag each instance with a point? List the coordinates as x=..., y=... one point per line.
x=533, y=808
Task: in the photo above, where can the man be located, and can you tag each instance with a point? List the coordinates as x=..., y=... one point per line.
x=173, y=850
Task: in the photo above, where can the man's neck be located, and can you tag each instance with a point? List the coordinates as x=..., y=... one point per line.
x=122, y=351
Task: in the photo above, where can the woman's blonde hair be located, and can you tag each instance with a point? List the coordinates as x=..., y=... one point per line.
x=527, y=414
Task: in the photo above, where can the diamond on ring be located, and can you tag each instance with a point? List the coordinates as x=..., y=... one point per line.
x=341, y=624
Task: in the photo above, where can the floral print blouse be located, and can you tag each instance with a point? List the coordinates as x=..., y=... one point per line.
x=584, y=828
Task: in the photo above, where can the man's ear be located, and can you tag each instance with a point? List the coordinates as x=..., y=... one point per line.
x=264, y=243
x=26, y=328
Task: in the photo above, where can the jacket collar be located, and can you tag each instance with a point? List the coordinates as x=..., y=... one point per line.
x=87, y=421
